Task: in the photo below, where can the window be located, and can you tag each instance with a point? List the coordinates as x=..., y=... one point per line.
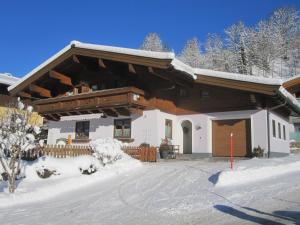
x=82, y=130
x=204, y=94
x=183, y=92
x=284, y=135
x=274, y=128
x=168, y=129
x=279, y=130
x=122, y=128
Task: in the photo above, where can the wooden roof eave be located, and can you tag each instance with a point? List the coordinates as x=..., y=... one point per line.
x=71, y=50
x=266, y=89
x=121, y=57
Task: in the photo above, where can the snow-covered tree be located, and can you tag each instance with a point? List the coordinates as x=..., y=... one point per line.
x=17, y=135
x=238, y=43
x=216, y=57
x=191, y=54
x=152, y=42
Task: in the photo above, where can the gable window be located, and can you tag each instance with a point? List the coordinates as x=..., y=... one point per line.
x=122, y=128
x=284, y=135
x=274, y=128
x=279, y=130
x=168, y=129
x=183, y=92
x=82, y=129
x=204, y=94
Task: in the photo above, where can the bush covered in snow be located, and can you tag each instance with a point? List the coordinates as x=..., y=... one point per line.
x=107, y=150
x=17, y=135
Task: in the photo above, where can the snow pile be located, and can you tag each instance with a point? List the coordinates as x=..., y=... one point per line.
x=107, y=150
x=68, y=174
x=257, y=170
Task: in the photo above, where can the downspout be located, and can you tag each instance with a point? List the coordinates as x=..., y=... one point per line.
x=268, y=123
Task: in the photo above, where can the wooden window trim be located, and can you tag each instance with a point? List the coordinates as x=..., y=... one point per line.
x=76, y=133
x=122, y=137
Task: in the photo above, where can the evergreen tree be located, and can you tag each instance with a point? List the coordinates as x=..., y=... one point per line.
x=152, y=42
x=190, y=54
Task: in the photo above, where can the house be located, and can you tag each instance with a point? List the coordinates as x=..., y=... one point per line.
x=89, y=91
x=6, y=80
x=292, y=85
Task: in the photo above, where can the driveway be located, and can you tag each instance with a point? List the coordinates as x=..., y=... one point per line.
x=179, y=192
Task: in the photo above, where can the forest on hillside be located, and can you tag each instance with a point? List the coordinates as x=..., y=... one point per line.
x=270, y=48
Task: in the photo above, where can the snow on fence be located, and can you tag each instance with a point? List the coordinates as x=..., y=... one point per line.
x=58, y=151
x=144, y=154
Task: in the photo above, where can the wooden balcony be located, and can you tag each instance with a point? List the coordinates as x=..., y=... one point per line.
x=109, y=102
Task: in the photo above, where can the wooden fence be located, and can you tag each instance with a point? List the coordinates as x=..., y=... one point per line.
x=58, y=151
x=144, y=154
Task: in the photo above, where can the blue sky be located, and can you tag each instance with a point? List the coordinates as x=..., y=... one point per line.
x=32, y=31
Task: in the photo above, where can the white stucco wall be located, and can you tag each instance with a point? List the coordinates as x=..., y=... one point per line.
x=279, y=145
x=150, y=128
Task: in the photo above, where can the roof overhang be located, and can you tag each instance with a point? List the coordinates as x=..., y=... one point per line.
x=242, y=82
x=161, y=60
x=7, y=79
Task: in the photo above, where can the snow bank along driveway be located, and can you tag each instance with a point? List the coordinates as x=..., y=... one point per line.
x=258, y=169
x=179, y=192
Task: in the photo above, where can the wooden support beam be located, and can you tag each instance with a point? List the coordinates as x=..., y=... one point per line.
x=40, y=90
x=109, y=112
x=136, y=111
x=150, y=69
x=52, y=117
x=101, y=63
x=24, y=94
x=131, y=68
x=123, y=111
x=75, y=59
x=61, y=77
x=115, y=111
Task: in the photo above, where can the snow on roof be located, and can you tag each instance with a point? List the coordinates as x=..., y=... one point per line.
x=137, y=52
x=127, y=51
x=289, y=97
x=238, y=77
x=8, y=79
x=177, y=64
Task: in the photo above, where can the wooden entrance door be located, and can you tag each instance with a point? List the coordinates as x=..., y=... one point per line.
x=241, y=130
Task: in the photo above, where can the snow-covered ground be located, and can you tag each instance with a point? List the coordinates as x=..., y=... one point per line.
x=173, y=192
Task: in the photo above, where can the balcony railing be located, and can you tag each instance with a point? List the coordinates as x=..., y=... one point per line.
x=113, y=100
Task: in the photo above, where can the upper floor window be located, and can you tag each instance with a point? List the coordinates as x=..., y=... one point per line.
x=183, y=92
x=82, y=129
x=204, y=94
x=122, y=128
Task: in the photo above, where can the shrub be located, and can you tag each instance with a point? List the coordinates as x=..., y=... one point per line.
x=258, y=152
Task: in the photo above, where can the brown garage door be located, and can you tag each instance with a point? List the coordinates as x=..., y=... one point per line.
x=241, y=130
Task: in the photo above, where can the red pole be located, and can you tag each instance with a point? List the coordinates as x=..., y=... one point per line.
x=231, y=151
